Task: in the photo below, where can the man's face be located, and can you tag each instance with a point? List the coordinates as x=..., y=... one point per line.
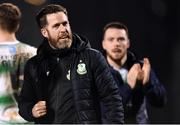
x=115, y=43
x=57, y=30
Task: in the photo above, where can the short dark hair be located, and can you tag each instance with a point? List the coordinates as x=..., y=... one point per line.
x=117, y=25
x=10, y=16
x=49, y=9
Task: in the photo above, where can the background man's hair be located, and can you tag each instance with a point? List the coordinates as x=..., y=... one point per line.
x=10, y=16
x=49, y=9
x=117, y=25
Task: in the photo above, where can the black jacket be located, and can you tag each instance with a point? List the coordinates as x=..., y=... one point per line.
x=135, y=101
x=91, y=81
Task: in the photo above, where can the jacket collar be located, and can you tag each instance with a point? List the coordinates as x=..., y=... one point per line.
x=79, y=43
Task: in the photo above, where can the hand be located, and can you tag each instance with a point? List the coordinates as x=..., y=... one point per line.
x=132, y=75
x=39, y=109
x=146, y=71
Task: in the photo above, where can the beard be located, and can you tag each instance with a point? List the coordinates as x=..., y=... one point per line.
x=115, y=56
x=62, y=42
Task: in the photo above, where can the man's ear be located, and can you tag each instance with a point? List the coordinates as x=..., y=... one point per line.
x=44, y=32
x=103, y=45
x=129, y=43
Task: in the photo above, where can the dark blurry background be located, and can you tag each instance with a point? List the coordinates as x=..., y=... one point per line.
x=154, y=27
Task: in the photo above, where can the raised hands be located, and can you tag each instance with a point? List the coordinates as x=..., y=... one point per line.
x=136, y=73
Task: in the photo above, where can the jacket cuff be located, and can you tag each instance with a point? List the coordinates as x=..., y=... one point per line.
x=148, y=86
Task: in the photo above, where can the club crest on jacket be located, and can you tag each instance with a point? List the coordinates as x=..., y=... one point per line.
x=81, y=68
x=68, y=75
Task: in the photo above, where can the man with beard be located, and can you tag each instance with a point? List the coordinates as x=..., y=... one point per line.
x=136, y=80
x=66, y=81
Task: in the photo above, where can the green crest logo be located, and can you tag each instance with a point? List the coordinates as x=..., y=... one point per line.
x=68, y=75
x=81, y=68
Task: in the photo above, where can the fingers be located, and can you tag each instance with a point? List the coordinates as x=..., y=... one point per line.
x=132, y=75
x=39, y=109
x=146, y=70
x=136, y=73
x=140, y=75
x=41, y=113
x=41, y=104
x=146, y=63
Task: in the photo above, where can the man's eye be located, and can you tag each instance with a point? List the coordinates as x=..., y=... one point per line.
x=65, y=23
x=121, y=39
x=110, y=39
x=55, y=26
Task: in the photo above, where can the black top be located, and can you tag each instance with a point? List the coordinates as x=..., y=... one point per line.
x=58, y=91
x=61, y=103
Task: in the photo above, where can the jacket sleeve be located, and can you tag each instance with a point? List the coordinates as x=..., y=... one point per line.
x=107, y=89
x=27, y=96
x=155, y=91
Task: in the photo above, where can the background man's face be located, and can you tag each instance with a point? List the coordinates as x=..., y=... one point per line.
x=115, y=43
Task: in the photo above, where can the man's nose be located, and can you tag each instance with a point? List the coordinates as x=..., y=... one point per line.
x=62, y=28
x=117, y=43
